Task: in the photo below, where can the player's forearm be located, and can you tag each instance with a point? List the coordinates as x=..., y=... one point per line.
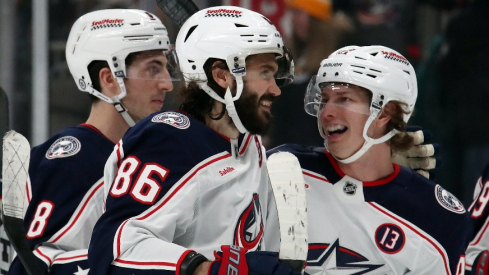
x=202, y=269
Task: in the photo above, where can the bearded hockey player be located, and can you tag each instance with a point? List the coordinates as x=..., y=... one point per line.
x=184, y=184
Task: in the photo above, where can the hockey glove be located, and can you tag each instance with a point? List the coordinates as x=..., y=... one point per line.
x=421, y=157
x=481, y=264
x=236, y=260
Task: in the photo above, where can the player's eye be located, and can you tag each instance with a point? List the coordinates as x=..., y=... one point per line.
x=267, y=74
x=153, y=69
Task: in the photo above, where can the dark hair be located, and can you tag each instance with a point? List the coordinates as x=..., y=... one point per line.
x=401, y=141
x=197, y=102
x=94, y=69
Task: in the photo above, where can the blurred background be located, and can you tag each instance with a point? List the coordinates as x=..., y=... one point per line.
x=447, y=41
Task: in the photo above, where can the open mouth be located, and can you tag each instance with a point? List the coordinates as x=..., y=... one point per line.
x=336, y=129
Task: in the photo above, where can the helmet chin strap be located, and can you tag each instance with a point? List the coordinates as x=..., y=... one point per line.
x=229, y=101
x=369, y=142
x=116, y=100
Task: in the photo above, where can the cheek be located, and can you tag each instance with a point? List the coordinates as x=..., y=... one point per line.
x=360, y=125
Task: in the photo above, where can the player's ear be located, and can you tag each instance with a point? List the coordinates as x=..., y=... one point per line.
x=221, y=75
x=108, y=83
x=386, y=114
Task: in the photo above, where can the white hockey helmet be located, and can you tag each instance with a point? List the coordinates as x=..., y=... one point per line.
x=383, y=71
x=111, y=35
x=231, y=34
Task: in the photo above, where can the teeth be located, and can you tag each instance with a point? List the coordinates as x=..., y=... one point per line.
x=333, y=128
x=268, y=104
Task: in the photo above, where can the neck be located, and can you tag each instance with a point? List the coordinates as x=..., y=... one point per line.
x=225, y=125
x=374, y=165
x=107, y=120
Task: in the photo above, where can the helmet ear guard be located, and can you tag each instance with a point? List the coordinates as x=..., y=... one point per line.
x=381, y=70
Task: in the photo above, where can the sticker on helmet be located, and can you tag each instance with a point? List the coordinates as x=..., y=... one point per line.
x=239, y=70
x=223, y=13
x=150, y=16
x=82, y=83
x=345, y=51
x=332, y=64
x=174, y=119
x=448, y=201
x=395, y=57
x=64, y=147
x=107, y=23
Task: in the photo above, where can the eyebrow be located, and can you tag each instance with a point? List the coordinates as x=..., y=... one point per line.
x=270, y=67
x=155, y=61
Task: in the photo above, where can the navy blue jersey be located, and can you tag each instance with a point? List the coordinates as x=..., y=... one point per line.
x=174, y=185
x=66, y=195
x=402, y=224
x=479, y=212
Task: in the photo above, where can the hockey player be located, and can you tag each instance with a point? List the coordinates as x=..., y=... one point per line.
x=367, y=215
x=183, y=184
x=478, y=249
x=123, y=59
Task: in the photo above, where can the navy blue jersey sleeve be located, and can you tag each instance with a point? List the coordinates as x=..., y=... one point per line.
x=65, y=190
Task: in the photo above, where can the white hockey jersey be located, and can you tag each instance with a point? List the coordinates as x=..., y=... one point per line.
x=174, y=185
x=403, y=224
x=479, y=211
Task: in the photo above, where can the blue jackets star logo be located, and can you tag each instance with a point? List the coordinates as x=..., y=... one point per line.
x=333, y=259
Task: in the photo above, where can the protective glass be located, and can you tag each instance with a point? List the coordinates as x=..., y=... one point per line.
x=340, y=95
x=285, y=73
x=155, y=66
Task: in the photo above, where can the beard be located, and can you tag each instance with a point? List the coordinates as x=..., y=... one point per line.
x=254, y=120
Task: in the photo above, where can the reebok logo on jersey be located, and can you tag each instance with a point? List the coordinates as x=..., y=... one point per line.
x=64, y=147
x=174, y=119
x=226, y=171
x=448, y=201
